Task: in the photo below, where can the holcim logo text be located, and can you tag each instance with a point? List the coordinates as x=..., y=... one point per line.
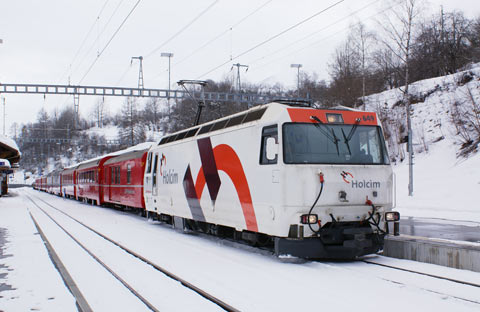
x=170, y=177
x=365, y=184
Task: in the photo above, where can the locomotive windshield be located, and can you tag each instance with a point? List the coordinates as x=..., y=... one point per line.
x=308, y=143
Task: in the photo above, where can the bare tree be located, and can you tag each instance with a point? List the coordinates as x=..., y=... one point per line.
x=344, y=71
x=132, y=131
x=99, y=112
x=152, y=112
x=361, y=40
x=398, y=27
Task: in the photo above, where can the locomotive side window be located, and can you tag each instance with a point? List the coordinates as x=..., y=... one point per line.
x=112, y=175
x=268, y=132
x=129, y=173
x=149, y=162
x=154, y=175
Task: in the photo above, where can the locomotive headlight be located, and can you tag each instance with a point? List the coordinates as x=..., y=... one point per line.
x=392, y=216
x=309, y=219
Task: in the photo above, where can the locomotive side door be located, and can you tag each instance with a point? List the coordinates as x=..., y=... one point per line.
x=147, y=182
x=155, y=175
x=111, y=179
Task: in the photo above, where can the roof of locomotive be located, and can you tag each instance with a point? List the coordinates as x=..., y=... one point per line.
x=271, y=111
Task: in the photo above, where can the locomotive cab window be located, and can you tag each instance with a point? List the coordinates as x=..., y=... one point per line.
x=309, y=143
x=269, y=145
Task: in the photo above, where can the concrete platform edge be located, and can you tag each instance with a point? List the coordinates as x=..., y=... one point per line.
x=445, y=253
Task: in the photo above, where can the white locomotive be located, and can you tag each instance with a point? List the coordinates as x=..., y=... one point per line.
x=317, y=183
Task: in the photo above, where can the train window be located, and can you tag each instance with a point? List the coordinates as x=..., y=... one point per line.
x=191, y=133
x=181, y=135
x=154, y=176
x=235, y=120
x=268, y=132
x=163, y=140
x=307, y=143
x=219, y=125
x=254, y=115
x=205, y=129
x=129, y=173
x=149, y=162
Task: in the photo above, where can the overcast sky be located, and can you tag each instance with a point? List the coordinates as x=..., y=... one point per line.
x=61, y=42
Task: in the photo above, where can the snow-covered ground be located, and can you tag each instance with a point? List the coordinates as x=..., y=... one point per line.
x=444, y=187
x=244, y=278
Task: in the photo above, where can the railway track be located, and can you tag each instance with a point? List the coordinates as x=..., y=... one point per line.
x=81, y=301
x=455, y=282
x=399, y=279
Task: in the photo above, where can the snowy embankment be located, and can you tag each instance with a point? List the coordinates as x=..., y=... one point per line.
x=444, y=186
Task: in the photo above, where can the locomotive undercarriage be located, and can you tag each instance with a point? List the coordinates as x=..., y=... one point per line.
x=188, y=225
x=339, y=240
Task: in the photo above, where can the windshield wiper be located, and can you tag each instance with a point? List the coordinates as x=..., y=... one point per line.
x=333, y=138
x=352, y=131
x=336, y=140
x=347, y=139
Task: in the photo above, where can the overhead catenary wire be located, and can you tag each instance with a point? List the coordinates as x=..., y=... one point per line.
x=111, y=39
x=273, y=37
x=315, y=32
x=219, y=35
x=99, y=35
x=223, y=33
x=182, y=29
x=85, y=39
x=317, y=42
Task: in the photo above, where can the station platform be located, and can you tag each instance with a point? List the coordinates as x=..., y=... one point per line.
x=454, y=244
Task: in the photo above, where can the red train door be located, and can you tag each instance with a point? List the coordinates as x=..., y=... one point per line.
x=110, y=182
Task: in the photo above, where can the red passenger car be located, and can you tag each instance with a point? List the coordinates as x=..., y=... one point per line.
x=88, y=176
x=53, y=182
x=68, y=182
x=123, y=179
x=43, y=184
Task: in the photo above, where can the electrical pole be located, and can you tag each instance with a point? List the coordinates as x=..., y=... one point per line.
x=140, y=71
x=297, y=66
x=169, y=55
x=4, y=116
x=239, y=85
x=76, y=113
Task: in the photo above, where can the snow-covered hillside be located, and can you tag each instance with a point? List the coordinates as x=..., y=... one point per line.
x=436, y=104
x=446, y=185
